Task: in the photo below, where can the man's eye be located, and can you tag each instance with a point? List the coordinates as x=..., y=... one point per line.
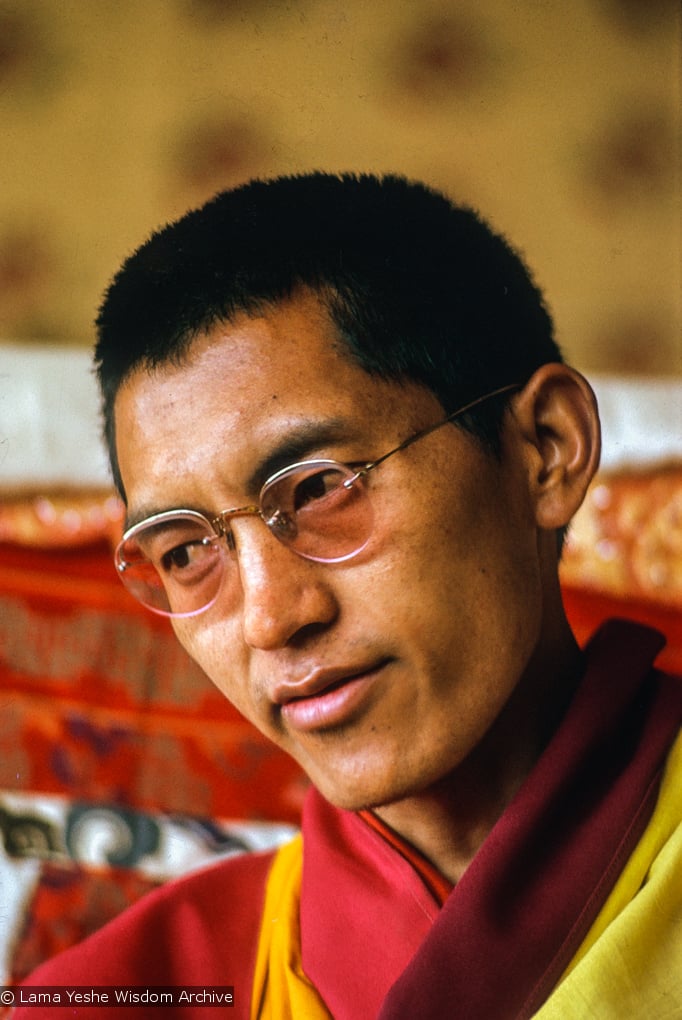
x=180, y=557
x=315, y=487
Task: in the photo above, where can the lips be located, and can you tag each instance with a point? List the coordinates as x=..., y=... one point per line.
x=326, y=698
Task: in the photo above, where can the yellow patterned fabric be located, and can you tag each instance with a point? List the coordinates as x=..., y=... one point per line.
x=630, y=965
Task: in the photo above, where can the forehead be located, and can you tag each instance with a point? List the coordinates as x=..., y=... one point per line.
x=249, y=386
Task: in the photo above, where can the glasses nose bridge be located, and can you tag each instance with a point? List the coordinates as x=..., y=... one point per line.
x=221, y=525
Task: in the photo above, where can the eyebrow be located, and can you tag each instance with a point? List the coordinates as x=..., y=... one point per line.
x=302, y=439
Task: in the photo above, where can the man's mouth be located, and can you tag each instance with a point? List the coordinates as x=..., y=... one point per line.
x=327, y=698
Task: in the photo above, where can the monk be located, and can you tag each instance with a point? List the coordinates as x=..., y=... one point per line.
x=349, y=449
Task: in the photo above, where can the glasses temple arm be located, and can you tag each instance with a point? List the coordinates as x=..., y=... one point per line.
x=432, y=428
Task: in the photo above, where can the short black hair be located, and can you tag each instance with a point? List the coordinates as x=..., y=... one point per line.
x=419, y=288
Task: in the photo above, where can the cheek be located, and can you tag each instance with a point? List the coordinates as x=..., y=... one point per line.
x=462, y=568
x=215, y=647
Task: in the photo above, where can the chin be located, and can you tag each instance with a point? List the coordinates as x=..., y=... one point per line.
x=371, y=777
x=362, y=796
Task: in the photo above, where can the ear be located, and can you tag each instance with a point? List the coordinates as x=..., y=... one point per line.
x=558, y=419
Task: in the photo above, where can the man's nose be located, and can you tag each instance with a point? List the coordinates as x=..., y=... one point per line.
x=283, y=596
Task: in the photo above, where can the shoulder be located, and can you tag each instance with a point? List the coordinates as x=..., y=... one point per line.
x=197, y=929
x=628, y=965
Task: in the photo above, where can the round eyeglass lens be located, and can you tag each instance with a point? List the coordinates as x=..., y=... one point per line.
x=320, y=509
x=173, y=563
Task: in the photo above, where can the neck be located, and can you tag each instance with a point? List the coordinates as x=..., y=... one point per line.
x=449, y=821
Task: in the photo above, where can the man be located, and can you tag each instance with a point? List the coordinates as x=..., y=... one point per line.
x=349, y=450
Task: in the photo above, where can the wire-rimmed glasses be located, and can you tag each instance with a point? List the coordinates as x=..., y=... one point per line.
x=176, y=562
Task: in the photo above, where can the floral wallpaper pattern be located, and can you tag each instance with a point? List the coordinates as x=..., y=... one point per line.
x=559, y=121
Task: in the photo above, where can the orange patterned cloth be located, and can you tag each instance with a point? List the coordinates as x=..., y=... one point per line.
x=626, y=539
x=61, y=519
x=100, y=702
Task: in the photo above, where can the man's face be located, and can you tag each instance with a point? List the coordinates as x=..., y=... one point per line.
x=382, y=673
